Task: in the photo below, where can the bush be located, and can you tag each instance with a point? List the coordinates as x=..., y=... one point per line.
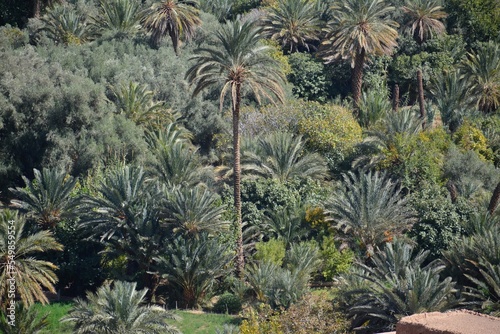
x=334, y=261
x=329, y=129
x=468, y=137
x=228, y=303
x=272, y=251
x=308, y=77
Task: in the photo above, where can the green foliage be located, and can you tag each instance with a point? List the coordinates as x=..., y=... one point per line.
x=399, y=285
x=27, y=320
x=262, y=321
x=47, y=199
x=192, y=266
x=440, y=221
x=373, y=106
x=369, y=209
x=478, y=20
x=12, y=37
x=228, y=303
x=64, y=25
x=469, y=137
x=119, y=309
x=334, y=261
x=272, y=251
x=329, y=129
x=416, y=159
x=487, y=289
x=119, y=17
x=308, y=77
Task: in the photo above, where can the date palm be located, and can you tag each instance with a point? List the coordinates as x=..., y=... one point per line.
x=31, y=276
x=122, y=17
x=47, y=199
x=423, y=22
x=65, y=26
x=178, y=18
x=119, y=310
x=359, y=29
x=193, y=210
x=193, y=265
x=282, y=156
x=295, y=24
x=28, y=321
x=369, y=207
x=399, y=285
x=239, y=61
x=483, y=72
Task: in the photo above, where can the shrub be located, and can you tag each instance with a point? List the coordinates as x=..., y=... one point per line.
x=271, y=251
x=228, y=303
x=334, y=261
x=308, y=77
x=329, y=129
x=469, y=137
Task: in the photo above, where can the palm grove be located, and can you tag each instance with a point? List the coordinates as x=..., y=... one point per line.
x=184, y=150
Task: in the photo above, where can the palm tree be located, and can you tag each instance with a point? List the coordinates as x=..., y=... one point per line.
x=451, y=93
x=137, y=104
x=37, y=6
x=399, y=285
x=178, y=18
x=194, y=210
x=122, y=17
x=295, y=24
x=31, y=276
x=483, y=71
x=486, y=292
x=423, y=22
x=359, y=28
x=239, y=62
x=47, y=199
x=177, y=160
x=126, y=218
x=282, y=156
x=65, y=26
x=193, y=266
x=119, y=310
x=28, y=321
x=369, y=208
x=286, y=224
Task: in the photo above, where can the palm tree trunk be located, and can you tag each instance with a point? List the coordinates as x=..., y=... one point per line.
x=357, y=78
x=395, y=100
x=36, y=8
x=421, y=100
x=240, y=260
x=494, y=199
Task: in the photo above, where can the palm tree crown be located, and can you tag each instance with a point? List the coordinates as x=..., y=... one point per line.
x=294, y=24
x=118, y=310
x=359, y=28
x=240, y=61
x=177, y=18
x=423, y=18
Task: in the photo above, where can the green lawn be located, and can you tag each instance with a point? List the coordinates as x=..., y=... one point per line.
x=190, y=323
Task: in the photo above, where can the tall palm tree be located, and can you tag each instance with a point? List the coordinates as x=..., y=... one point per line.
x=47, y=199
x=282, y=156
x=359, y=28
x=369, y=208
x=240, y=61
x=178, y=18
x=31, y=276
x=119, y=310
x=295, y=24
x=423, y=22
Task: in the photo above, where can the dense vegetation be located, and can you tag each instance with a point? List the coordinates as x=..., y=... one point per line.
x=229, y=155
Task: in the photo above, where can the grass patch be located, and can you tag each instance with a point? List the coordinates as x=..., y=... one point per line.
x=203, y=323
x=190, y=323
x=55, y=312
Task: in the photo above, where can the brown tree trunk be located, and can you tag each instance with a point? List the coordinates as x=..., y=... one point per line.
x=36, y=8
x=421, y=100
x=240, y=260
x=395, y=99
x=494, y=199
x=357, y=78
